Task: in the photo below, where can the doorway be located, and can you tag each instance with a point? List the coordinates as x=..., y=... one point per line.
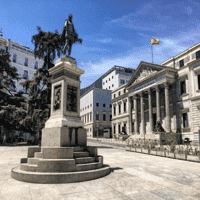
x=154, y=120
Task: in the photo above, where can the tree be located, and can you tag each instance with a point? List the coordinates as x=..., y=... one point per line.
x=10, y=103
x=39, y=88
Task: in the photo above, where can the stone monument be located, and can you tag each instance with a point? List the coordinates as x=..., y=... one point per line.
x=64, y=156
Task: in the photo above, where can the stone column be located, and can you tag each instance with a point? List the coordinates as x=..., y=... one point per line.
x=130, y=114
x=150, y=111
x=142, y=114
x=158, y=104
x=136, y=115
x=167, y=108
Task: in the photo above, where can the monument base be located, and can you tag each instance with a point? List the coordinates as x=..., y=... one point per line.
x=64, y=137
x=60, y=165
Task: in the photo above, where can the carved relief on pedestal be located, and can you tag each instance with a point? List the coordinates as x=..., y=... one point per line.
x=72, y=98
x=57, y=98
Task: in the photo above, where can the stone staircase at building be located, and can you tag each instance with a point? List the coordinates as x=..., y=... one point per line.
x=55, y=167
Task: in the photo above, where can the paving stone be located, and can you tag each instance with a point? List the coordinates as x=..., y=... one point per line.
x=167, y=193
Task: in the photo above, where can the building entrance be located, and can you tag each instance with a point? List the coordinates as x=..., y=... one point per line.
x=154, y=120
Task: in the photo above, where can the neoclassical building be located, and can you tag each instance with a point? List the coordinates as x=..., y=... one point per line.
x=169, y=93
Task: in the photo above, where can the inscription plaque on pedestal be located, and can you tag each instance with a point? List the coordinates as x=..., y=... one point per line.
x=71, y=98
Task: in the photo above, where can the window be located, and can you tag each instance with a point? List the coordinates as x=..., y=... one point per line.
x=90, y=105
x=181, y=63
x=25, y=75
x=124, y=91
x=109, y=87
x=114, y=110
x=185, y=120
x=104, y=105
x=109, y=79
x=97, y=104
x=114, y=129
x=198, y=81
x=15, y=58
x=122, y=81
x=106, y=81
x=125, y=128
x=83, y=109
x=110, y=105
x=112, y=77
x=90, y=116
x=24, y=88
x=26, y=62
x=103, y=83
x=183, y=87
x=197, y=54
x=97, y=116
x=114, y=95
x=36, y=65
x=1, y=82
x=112, y=85
x=1, y=51
x=90, y=129
x=34, y=74
x=6, y=49
x=119, y=108
x=110, y=117
x=124, y=106
x=104, y=117
x=119, y=128
x=119, y=93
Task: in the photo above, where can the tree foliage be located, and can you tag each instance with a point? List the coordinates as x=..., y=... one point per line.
x=47, y=44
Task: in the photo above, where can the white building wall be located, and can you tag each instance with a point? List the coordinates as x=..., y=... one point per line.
x=113, y=80
x=21, y=52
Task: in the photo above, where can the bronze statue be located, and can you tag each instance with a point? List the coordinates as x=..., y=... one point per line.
x=158, y=127
x=69, y=36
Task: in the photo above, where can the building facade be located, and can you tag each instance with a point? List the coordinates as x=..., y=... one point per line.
x=168, y=93
x=95, y=111
x=116, y=77
x=22, y=58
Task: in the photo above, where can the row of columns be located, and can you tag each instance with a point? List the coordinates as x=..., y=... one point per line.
x=167, y=110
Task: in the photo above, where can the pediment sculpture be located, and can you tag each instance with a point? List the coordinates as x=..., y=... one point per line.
x=144, y=74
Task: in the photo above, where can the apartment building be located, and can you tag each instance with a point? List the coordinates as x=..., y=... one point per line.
x=116, y=77
x=22, y=58
x=95, y=112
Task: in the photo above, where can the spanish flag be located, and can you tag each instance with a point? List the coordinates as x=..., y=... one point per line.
x=155, y=41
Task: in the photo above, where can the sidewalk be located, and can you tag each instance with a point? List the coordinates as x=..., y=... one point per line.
x=133, y=176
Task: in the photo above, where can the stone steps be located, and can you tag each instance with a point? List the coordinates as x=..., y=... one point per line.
x=28, y=167
x=38, y=155
x=78, y=149
x=33, y=161
x=88, y=166
x=84, y=160
x=59, y=177
x=81, y=154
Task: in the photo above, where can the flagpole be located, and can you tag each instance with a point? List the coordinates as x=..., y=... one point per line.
x=152, y=52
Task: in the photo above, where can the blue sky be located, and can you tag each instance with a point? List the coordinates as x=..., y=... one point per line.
x=114, y=32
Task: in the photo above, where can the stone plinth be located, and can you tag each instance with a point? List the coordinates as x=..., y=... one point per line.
x=64, y=156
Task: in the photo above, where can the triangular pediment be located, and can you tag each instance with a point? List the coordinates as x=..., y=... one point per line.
x=143, y=71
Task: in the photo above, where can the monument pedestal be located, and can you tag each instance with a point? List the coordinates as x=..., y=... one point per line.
x=64, y=156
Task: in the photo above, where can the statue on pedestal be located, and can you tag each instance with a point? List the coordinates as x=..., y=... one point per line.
x=69, y=36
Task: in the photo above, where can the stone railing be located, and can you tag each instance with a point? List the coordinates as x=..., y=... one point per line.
x=184, y=155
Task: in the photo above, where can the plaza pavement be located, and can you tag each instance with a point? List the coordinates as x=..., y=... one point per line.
x=134, y=176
